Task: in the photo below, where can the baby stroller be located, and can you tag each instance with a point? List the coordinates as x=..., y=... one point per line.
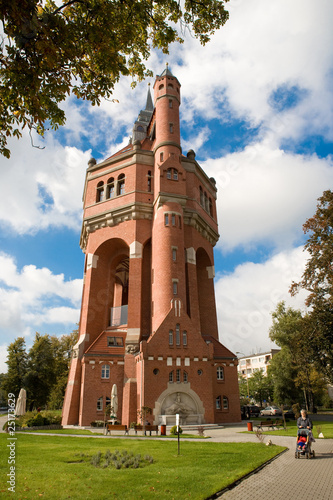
x=303, y=444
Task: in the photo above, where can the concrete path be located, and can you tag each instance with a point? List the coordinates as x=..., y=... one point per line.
x=285, y=477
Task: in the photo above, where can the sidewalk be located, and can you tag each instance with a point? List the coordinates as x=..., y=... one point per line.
x=286, y=476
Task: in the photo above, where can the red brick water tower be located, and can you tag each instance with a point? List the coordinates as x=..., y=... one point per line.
x=148, y=318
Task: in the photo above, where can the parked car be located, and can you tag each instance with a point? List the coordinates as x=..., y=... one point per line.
x=271, y=410
x=250, y=411
x=289, y=413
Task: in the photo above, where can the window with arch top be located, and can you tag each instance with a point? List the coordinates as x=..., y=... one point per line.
x=110, y=188
x=100, y=192
x=121, y=184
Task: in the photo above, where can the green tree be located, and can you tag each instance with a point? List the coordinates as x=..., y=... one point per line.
x=317, y=279
x=292, y=332
x=62, y=350
x=84, y=46
x=17, y=362
x=283, y=373
x=41, y=368
x=260, y=387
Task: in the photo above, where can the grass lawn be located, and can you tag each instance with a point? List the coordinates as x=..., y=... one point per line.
x=56, y=467
x=87, y=432
x=318, y=426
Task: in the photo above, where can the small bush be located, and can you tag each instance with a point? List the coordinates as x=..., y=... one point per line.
x=119, y=460
x=173, y=430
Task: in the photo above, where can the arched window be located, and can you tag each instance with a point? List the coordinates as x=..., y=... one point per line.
x=161, y=87
x=175, y=287
x=168, y=174
x=110, y=188
x=105, y=371
x=172, y=173
x=175, y=175
x=225, y=403
x=210, y=207
x=139, y=128
x=220, y=373
x=177, y=334
x=184, y=337
x=170, y=86
x=185, y=377
x=121, y=184
x=166, y=219
x=206, y=202
x=218, y=403
x=170, y=337
x=100, y=192
x=173, y=219
x=202, y=201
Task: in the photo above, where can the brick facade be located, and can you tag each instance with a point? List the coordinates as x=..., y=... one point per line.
x=148, y=317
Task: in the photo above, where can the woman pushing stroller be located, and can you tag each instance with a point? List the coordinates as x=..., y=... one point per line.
x=304, y=436
x=304, y=422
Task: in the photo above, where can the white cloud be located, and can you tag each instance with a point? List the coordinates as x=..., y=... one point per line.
x=246, y=298
x=42, y=188
x=265, y=195
x=28, y=298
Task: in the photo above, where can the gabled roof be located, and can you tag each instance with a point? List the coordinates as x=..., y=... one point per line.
x=220, y=351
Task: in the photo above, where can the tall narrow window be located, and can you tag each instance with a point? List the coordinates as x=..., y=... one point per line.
x=184, y=337
x=220, y=373
x=177, y=334
x=206, y=202
x=105, y=371
x=100, y=404
x=166, y=219
x=170, y=337
x=185, y=377
x=168, y=174
x=149, y=181
x=170, y=103
x=110, y=188
x=171, y=376
x=100, y=192
x=171, y=128
x=175, y=287
x=177, y=375
x=210, y=207
x=218, y=403
x=174, y=254
x=202, y=202
x=180, y=221
x=225, y=403
x=121, y=184
x=175, y=174
x=173, y=219
x=161, y=159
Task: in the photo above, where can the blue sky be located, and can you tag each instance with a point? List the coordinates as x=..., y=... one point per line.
x=256, y=109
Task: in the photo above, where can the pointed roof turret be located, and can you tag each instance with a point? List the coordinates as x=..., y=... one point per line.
x=166, y=71
x=149, y=102
x=142, y=122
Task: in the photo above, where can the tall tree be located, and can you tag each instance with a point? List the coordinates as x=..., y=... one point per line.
x=261, y=387
x=317, y=279
x=83, y=47
x=17, y=362
x=40, y=377
x=62, y=350
x=290, y=332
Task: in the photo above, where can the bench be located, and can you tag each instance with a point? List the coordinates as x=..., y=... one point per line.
x=149, y=428
x=116, y=427
x=270, y=424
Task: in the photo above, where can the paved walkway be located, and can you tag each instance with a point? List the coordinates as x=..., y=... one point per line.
x=285, y=477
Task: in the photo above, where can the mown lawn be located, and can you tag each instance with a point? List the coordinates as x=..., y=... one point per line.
x=58, y=467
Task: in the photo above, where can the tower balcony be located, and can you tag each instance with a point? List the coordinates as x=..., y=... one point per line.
x=118, y=315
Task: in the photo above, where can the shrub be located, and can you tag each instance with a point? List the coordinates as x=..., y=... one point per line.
x=37, y=421
x=173, y=430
